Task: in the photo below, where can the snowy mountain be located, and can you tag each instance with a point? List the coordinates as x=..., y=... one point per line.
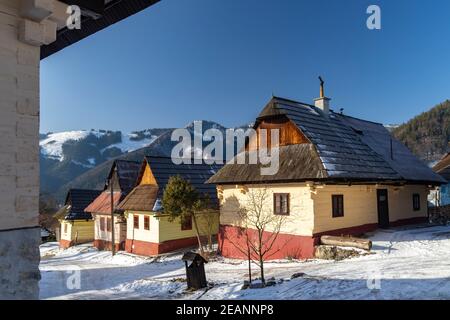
x=82, y=159
x=87, y=148
x=66, y=155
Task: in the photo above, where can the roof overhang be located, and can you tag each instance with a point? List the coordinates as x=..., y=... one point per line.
x=96, y=15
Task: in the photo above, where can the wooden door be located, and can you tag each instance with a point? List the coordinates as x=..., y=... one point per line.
x=383, y=208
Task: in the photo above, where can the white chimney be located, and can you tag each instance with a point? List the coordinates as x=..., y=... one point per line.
x=323, y=103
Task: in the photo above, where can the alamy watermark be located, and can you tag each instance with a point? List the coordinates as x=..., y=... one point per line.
x=73, y=280
x=74, y=20
x=191, y=150
x=374, y=20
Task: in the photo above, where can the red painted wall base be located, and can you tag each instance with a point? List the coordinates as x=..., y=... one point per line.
x=64, y=244
x=232, y=244
x=152, y=249
x=107, y=245
x=404, y=222
x=232, y=240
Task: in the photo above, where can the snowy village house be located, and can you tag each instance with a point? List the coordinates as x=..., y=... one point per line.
x=149, y=231
x=338, y=175
x=122, y=177
x=77, y=225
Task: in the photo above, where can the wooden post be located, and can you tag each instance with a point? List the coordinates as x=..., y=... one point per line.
x=111, y=182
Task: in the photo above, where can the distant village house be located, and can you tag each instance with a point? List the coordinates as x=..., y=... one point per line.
x=149, y=230
x=441, y=196
x=76, y=225
x=122, y=177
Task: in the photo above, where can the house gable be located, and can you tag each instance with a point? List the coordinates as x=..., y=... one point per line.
x=289, y=133
x=147, y=177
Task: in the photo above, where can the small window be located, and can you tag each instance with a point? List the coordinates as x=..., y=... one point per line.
x=146, y=223
x=281, y=203
x=338, y=205
x=136, y=222
x=108, y=224
x=102, y=224
x=65, y=227
x=416, y=202
x=186, y=224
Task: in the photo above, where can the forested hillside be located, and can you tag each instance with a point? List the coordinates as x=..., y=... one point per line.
x=428, y=134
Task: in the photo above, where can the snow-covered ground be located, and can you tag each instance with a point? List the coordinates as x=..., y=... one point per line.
x=409, y=263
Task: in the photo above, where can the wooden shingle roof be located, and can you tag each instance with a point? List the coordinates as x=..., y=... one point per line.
x=348, y=149
x=127, y=174
x=141, y=198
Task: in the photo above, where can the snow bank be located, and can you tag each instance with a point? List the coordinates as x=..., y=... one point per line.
x=408, y=263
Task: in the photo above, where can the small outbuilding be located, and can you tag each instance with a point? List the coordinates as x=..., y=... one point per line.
x=195, y=270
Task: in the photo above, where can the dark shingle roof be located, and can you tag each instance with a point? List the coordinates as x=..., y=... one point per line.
x=78, y=200
x=197, y=174
x=144, y=197
x=127, y=173
x=348, y=148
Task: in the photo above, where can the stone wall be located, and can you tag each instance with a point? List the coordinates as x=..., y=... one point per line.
x=19, y=260
x=25, y=25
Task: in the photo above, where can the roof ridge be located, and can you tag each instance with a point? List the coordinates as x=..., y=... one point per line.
x=179, y=158
x=347, y=116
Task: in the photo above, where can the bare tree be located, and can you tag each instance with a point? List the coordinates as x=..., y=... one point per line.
x=260, y=227
x=209, y=226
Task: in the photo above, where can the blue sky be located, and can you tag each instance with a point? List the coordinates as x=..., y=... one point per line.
x=221, y=60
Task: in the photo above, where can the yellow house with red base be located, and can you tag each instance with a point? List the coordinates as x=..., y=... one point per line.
x=77, y=225
x=337, y=175
x=149, y=230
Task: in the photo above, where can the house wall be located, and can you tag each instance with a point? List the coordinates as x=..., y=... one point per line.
x=299, y=222
x=360, y=207
x=78, y=231
x=141, y=234
x=444, y=195
x=103, y=239
x=401, y=204
x=172, y=230
x=311, y=214
x=163, y=236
